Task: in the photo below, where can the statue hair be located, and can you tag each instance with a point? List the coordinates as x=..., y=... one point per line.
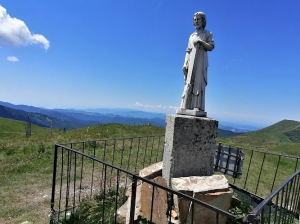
x=203, y=17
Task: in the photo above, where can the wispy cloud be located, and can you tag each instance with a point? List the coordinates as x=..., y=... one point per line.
x=12, y=58
x=158, y=5
x=137, y=104
x=14, y=32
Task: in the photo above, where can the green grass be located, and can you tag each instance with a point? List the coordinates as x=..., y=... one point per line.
x=283, y=132
x=26, y=164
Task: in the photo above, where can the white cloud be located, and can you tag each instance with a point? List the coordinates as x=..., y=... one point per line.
x=14, y=32
x=137, y=104
x=12, y=58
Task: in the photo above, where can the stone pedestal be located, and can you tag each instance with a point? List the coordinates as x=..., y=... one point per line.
x=189, y=146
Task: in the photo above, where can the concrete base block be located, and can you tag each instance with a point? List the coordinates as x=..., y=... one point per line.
x=189, y=146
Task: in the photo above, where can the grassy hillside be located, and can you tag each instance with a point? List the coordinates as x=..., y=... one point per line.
x=10, y=126
x=26, y=164
x=283, y=132
x=226, y=133
x=282, y=137
x=42, y=120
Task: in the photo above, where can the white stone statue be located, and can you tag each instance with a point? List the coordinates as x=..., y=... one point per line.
x=195, y=68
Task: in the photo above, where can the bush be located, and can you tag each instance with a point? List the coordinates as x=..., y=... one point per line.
x=100, y=209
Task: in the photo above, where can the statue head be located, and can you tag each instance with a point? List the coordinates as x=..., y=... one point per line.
x=199, y=20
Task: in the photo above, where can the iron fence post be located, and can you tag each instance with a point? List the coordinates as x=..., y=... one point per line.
x=54, y=178
x=133, y=199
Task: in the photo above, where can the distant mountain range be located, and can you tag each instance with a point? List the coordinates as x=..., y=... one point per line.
x=285, y=131
x=75, y=118
x=71, y=118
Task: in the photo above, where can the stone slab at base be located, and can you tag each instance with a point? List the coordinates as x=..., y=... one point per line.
x=148, y=204
x=213, y=190
x=189, y=146
x=152, y=171
x=200, y=184
x=196, y=113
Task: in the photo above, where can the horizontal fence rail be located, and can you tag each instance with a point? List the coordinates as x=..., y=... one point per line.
x=104, y=170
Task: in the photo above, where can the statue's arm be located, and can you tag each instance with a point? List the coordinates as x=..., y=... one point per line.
x=186, y=60
x=206, y=46
x=209, y=43
x=186, y=64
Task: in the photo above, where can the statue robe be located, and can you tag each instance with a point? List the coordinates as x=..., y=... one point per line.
x=199, y=77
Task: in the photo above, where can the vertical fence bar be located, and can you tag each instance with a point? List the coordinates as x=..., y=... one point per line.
x=68, y=184
x=103, y=158
x=246, y=178
x=74, y=182
x=104, y=150
x=217, y=217
x=122, y=154
x=275, y=173
x=227, y=161
x=129, y=156
x=54, y=178
x=93, y=168
x=291, y=207
x=157, y=151
x=219, y=148
x=104, y=192
x=128, y=162
x=296, y=164
x=113, y=160
x=61, y=180
x=276, y=207
x=151, y=150
x=261, y=168
x=170, y=205
x=162, y=151
x=133, y=198
x=117, y=196
x=296, y=201
x=145, y=152
x=289, y=197
x=137, y=154
x=280, y=208
x=81, y=171
x=237, y=164
x=113, y=152
x=152, y=202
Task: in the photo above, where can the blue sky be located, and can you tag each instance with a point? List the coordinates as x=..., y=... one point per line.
x=129, y=54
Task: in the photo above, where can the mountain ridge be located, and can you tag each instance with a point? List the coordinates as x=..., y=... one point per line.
x=121, y=115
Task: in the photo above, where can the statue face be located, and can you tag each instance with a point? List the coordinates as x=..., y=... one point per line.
x=197, y=21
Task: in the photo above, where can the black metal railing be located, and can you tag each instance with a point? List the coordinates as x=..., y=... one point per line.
x=281, y=206
x=88, y=190
x=85, y=170
x=263, y=172
x=131, y=154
